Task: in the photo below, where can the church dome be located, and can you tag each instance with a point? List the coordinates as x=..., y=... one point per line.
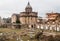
x=28, y=8
x=28, y=5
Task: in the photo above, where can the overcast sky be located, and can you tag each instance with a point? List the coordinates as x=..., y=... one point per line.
x=8, y=7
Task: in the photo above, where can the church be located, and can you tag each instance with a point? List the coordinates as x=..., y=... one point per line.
x=26, y=18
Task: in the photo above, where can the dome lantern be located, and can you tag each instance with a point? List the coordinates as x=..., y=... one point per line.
x=28, y=8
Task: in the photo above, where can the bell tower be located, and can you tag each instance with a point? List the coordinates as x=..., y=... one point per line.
x=28, y=8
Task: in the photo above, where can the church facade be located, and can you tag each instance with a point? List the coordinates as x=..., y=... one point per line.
x=25, y=18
